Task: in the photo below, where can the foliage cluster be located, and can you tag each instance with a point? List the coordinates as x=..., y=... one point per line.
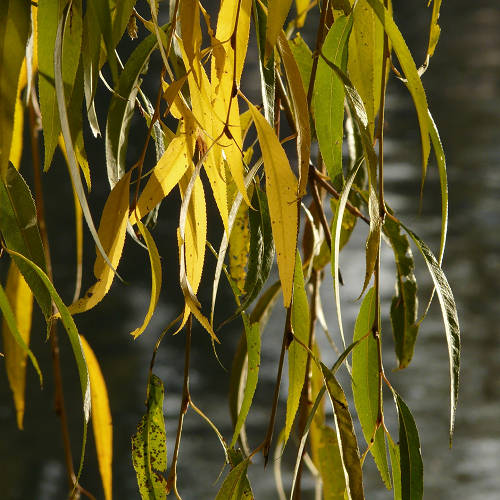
x=211, y=140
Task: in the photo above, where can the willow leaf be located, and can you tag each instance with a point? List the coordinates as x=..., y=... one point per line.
x=303, y=57
x=328, y=98
x=267, y=75
x=405, y=303
x=395, y=466
x=16, y=147
x=20, y=298
x=236, y=485
x=277, y=11
x=366, y=384
x=281, y=189
x=149, y=449
x=330, y=465
x=252, y=335
x=435, y=29
x=336, y=233
x=413, y=81
x=154, y=258
x=18, y=224
x=412, y=467
x=101, y=419
x=112, y=234
x=14, y=32
x=348, y=443
x=297, y=355
x=450, y=319
x=10, y=322
x=66, y=131
x=300, y=110
x=239, y=246
x=121, y=108
x=302, y=7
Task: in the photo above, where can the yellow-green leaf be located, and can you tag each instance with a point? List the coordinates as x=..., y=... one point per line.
x=101, y=419
x=281, y=188
x=277, y=13
x=20, y=299
x=297, y=355
x=330, y=465
x=236, y=485
x=154, y=257
x=435, y=30
x=239, y=246
x=302, y=7
x=14, y=31
x=112, y=231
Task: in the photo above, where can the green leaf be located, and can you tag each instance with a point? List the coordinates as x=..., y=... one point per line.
x=252, y=333
x=366, y=384
x=328, y=100
x=435, y=30
x=14, y=32
x=412, y=467
x=346, y=437
x=11, y=322
x=450, y=319
x=405, y=303
x=330, y=465
x=121, y=108
x=303, y=57
x=413, y=81
x=297, y=355
x=18, y=224
x=395, y=466
x=149, y=449
x=267, y=75
x=236, y=485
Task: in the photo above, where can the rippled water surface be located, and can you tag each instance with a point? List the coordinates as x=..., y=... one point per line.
x=463, y=89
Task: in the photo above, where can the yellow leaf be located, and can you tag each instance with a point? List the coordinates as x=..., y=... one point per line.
x=21, y=302
x=302, y=8
x=239, y=246
x=155, y=277
x=281, y=187
x=101, y=419
x=167, y=173
x=277, y=12
x=111, y=232
x=16, y=147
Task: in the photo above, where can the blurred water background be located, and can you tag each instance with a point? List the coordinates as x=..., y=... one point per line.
x=463, y=89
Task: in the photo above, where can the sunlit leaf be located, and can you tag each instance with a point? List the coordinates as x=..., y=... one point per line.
x=346, y=437
x=302, y=8
x=16, y=148
x=18, y=224
x=297, y=355
x=412, y=468
x=413, y=82
x=154, y=258
x=300, y=109
x=14, y=31
x=281, y=189
x=20, y=299
x=395, y=466
x=450, y=319
x=252, y=333
x=330, y=464
x=366, y=383
x=328, y=99
x=236, y=485
x=149, y=448
x=435, y=30
x=112, y=235
x=101, y=419
x=276, y=17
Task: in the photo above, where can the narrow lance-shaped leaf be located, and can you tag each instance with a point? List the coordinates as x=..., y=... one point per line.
x=413, y=82
x=277, y=11
x=149, y=448
x=18, y=224
x=236, y=485
x=281, y=189
x=252, y=334
x=366, y=379
x=239, y=246
x=112, y=234
x=328, y=98
x=348, y=443
x=404, y=304
x=154, y=258
x=412, y=467
x=75, y=173
x=450, y=319
x=330, y=465
x=300, y=109
x=395, y=466
x=101, y=419
x=20, y=299
x=14, y=31
x=297, y=355
x=435, y=30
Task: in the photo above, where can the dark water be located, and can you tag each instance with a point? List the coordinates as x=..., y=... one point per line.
x=463, y=89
